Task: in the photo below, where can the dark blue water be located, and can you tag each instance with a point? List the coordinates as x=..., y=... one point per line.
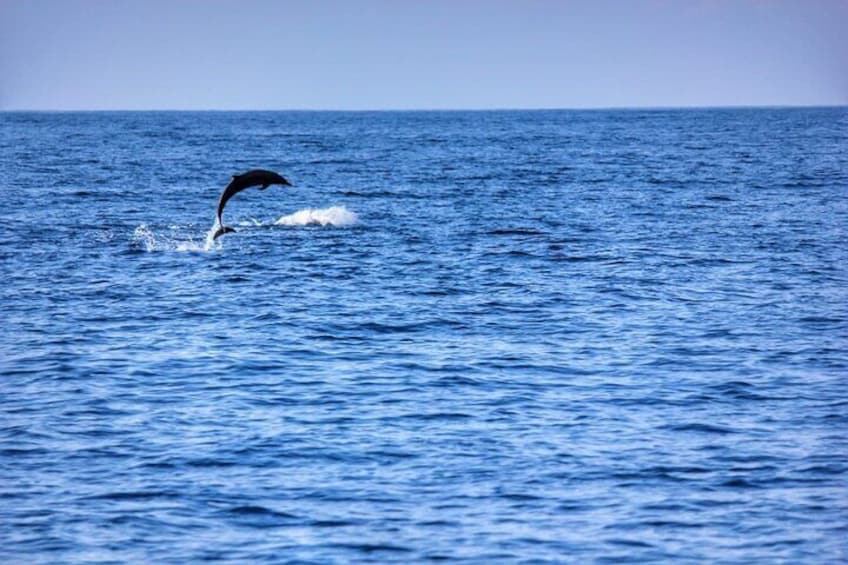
x=475, y=336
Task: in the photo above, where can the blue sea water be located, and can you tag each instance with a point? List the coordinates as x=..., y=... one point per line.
x=483, y=337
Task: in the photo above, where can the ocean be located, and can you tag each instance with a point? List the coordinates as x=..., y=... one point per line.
x=474, y=337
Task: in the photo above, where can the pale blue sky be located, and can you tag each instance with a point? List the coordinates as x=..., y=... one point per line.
x=390, y=54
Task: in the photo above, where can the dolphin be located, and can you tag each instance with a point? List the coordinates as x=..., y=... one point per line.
x=257, y=177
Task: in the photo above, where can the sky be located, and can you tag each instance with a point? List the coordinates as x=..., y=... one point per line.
x=420, y=54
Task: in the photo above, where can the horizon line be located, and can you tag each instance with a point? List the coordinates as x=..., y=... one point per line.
x=412, y=109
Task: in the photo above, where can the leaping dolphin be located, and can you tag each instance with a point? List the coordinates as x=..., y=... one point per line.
x=257, y=177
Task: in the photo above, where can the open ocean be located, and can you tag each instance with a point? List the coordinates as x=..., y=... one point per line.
x=482, y=337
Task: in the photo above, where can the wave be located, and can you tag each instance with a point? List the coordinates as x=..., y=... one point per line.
x=333, y=216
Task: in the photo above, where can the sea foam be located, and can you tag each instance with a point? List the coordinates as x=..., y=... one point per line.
x=333, y=216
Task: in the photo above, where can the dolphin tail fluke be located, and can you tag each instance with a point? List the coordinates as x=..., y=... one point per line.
x=221, y=231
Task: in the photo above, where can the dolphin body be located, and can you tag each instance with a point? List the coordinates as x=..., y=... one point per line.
x=257, y=177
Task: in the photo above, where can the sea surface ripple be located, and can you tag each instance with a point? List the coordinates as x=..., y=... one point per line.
x=483, y=337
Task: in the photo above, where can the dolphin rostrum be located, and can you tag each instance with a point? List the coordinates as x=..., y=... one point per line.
x=257, y=177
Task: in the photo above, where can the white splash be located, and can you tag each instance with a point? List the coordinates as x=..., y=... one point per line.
x=209, y=241
x=333, y=216
x=176, y=238
x=145, y=238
